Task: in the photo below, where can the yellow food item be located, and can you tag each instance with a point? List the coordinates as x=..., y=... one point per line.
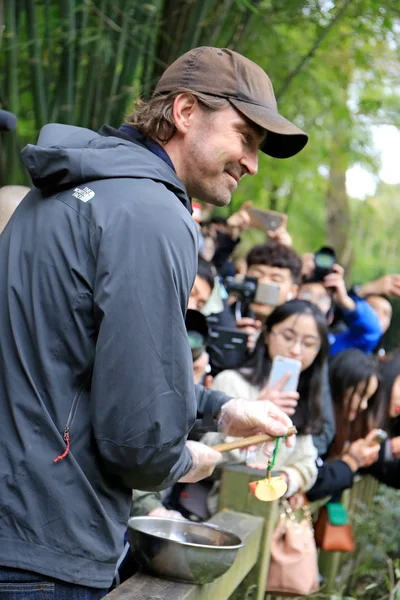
x=270, y=489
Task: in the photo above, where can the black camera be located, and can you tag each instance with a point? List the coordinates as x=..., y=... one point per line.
x=324, y=260
x=245, y=288
x=197, y=331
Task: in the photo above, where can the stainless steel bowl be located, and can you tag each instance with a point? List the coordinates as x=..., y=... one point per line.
x=182, y=550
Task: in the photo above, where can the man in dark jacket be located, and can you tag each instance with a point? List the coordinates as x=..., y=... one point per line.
x=96, y=267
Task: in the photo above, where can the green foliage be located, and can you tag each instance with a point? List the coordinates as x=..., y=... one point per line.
x=334, y=66
x=373, y=572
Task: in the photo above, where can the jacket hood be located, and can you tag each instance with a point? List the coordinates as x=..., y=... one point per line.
x=66, y=156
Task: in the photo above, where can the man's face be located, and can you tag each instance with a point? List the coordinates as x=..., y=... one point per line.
x=267, y=274
x=383, y=309
x=317, y=294
x=201, y=291
x=218, y=149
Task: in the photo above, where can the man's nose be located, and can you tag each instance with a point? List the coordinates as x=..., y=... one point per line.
x=250, y=162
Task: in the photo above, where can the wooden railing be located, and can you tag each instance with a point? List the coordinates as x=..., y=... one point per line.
x=254, y=522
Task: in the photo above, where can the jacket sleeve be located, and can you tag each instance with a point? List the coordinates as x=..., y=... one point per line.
x=143, y=401
x=323, y=440
x=386, y=469
x=332, y=479
x=364, y=330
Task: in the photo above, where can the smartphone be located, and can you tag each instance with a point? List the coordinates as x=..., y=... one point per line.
x=380, y=437
x=267, y=220
x=280, y=367
x=223, y=340
x=267, y=293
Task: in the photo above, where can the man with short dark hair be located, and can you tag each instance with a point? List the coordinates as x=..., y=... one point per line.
x=96, y=394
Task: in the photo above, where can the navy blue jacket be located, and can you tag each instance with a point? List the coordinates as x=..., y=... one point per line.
x=96, y=268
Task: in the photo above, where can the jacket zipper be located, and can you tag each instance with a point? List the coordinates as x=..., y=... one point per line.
x=71, y=416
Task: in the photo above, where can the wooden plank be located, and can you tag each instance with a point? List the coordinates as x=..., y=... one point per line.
x=147, y=587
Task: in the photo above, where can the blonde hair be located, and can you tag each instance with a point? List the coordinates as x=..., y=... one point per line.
x=154, y=117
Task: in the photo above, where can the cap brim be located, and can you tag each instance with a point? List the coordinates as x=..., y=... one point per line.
x=283, y=139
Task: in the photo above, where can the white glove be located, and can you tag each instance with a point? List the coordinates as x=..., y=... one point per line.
x=204, y=459
x=243, y=418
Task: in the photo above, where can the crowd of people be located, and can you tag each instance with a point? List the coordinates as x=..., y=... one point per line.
x=105, y=411
x=348, y=389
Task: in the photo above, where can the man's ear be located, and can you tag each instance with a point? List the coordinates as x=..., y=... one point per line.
x=183, y=110
x=295, y=290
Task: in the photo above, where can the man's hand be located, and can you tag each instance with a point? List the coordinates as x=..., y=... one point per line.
x=281, y=235
x=286, y=401
x=161, y=511
x=237, y=223
x=243, y=418
x=204, y=460
x=251, y=327
x=388, y=285
x=335, y=282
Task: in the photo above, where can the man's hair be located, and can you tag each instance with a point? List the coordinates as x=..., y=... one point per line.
x=204, y=271
x=275, y=254
x=154, y=117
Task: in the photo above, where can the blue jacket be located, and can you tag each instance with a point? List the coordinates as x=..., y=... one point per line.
x=364, y=330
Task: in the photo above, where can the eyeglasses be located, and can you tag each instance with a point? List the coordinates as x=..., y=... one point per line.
x=291, y=339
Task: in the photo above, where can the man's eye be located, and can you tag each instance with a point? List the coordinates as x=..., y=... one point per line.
x=247, y=138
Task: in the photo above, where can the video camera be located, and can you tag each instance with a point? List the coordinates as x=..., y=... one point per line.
x=248, y=290
x=206, y=336
x=324, y=260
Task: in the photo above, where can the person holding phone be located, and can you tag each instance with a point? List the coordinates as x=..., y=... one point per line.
x=387, y=468
x=296, y=330
x=353, y=377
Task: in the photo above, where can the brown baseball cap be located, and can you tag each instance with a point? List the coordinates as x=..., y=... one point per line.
x=227, y=74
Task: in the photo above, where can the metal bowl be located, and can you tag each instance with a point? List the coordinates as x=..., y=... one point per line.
x=182, y=550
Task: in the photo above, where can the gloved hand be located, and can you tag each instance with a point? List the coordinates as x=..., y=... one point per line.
x=243, y=418
x=204, y=458
x=161, y=511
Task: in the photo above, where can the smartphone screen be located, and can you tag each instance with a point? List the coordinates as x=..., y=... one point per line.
x=280, y=367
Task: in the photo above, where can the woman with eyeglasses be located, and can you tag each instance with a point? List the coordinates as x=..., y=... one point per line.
x=353, y=377
x=296, y=329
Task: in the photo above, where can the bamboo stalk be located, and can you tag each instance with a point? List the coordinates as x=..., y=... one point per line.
x=116, y=69
x=68, y=9
x=195, y=25
x=12, y=162
x=148, y=79
x=86, y=92
x=37, y=74
x=249, y=441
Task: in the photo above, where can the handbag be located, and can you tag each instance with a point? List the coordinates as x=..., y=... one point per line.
x=293, y=569
x=333, y=532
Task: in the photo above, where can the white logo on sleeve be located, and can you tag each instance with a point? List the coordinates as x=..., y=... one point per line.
x=85, y=195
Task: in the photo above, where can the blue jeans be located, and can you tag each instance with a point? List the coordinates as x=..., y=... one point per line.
x=16, y=584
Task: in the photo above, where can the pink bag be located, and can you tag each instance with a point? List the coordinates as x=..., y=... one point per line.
x=293, y=568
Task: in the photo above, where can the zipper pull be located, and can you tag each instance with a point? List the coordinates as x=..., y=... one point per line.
x=67, y=446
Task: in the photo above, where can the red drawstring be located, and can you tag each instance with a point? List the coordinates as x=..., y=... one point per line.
x=66, y=438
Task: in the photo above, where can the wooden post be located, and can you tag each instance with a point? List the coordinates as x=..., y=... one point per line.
x=235, y=495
